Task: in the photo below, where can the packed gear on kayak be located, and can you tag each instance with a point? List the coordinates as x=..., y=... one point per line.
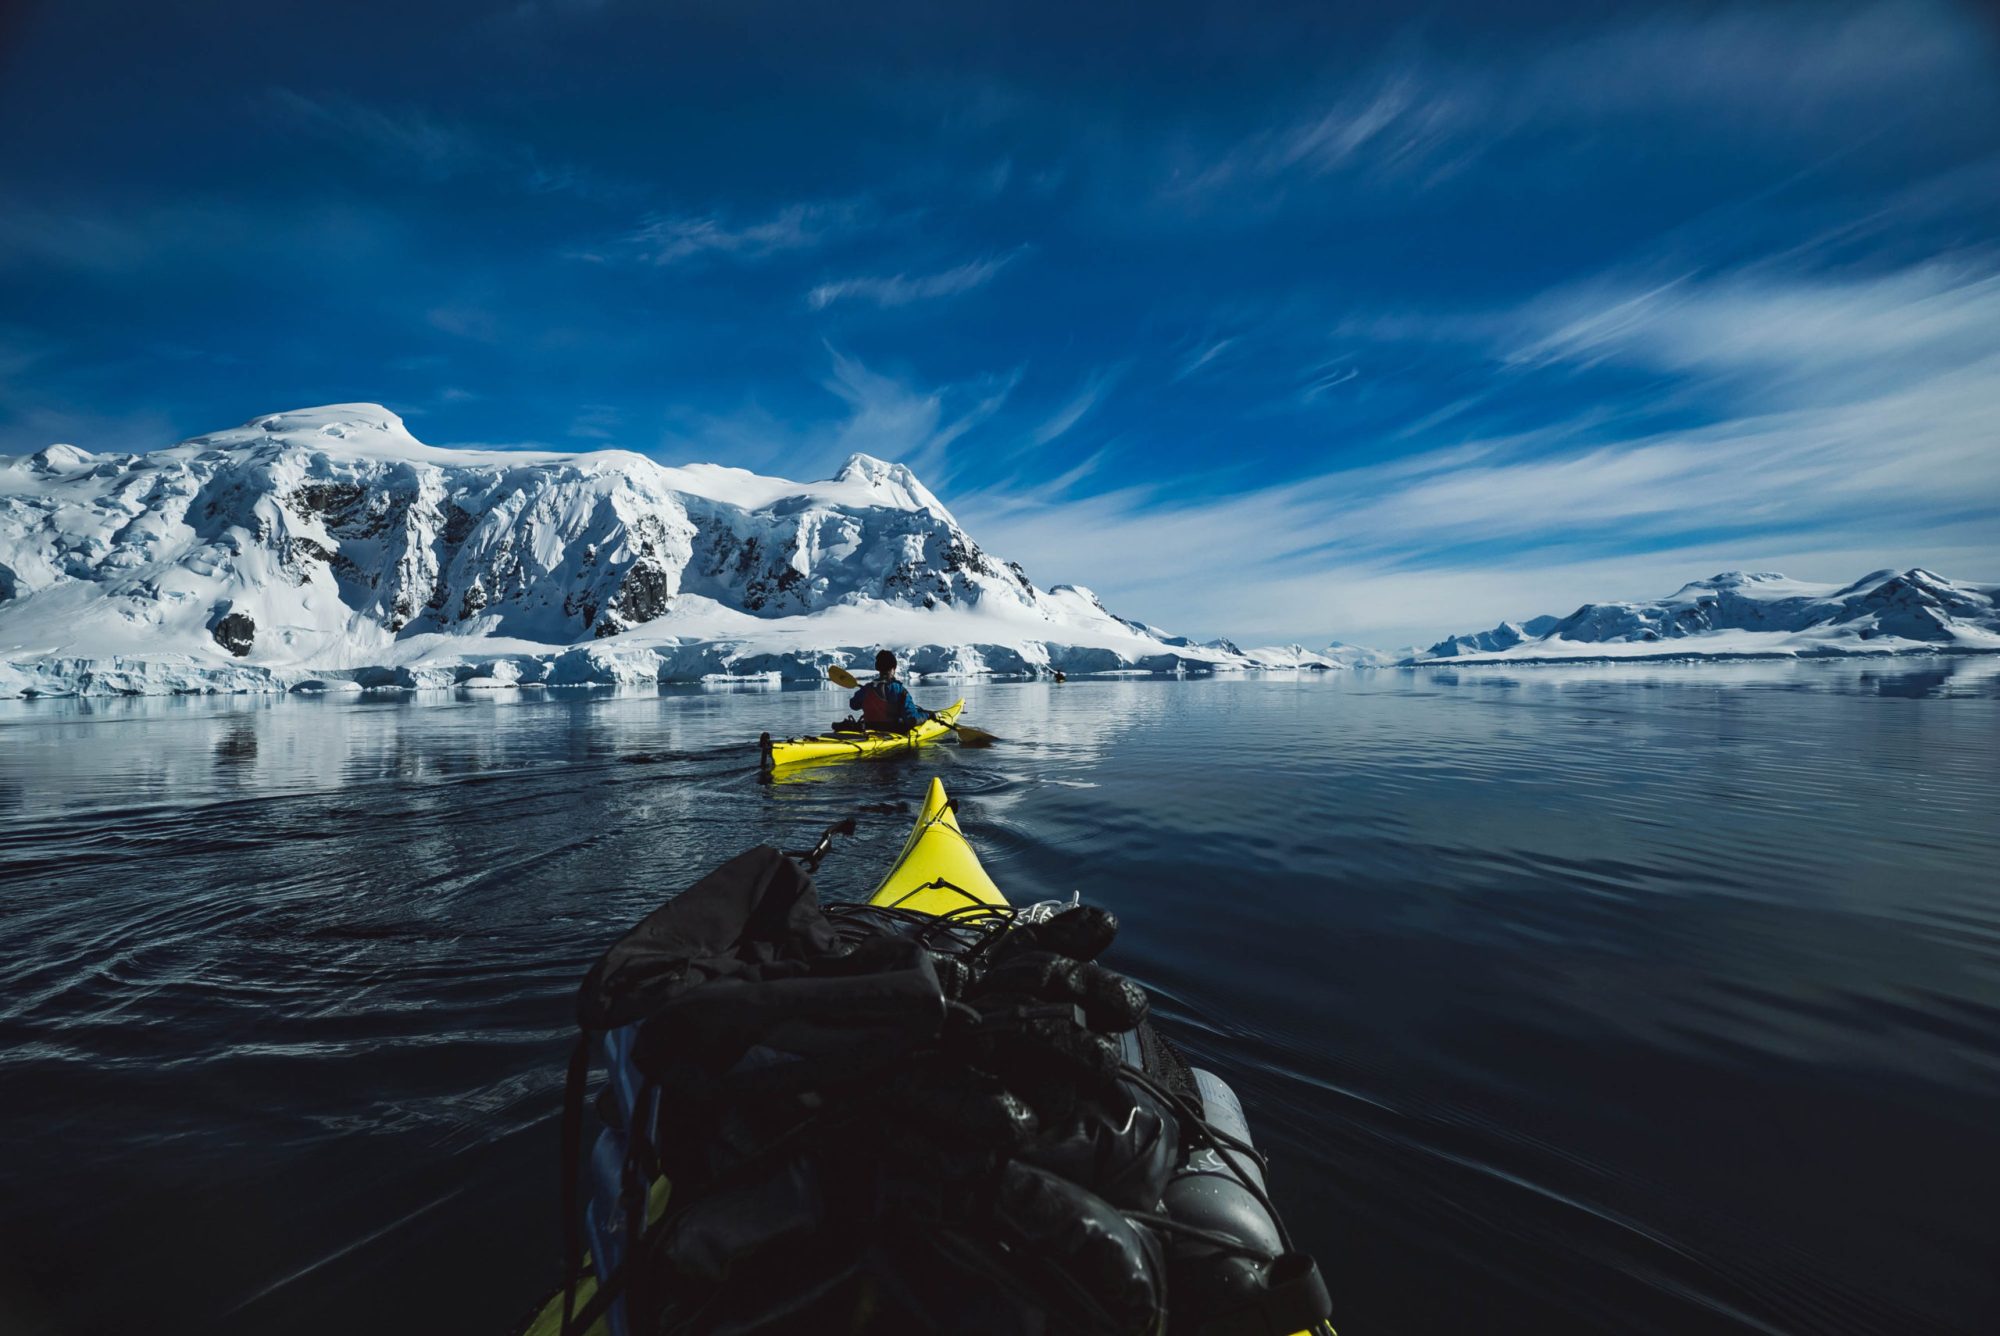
x=929, y=1112
x=884, y=703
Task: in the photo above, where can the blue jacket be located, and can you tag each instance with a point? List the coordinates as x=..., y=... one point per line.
x=893, y=705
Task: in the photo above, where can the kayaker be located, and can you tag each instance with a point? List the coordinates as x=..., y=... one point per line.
x=885, y=703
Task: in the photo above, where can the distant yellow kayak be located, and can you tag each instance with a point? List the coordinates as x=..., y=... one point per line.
x=848, y=746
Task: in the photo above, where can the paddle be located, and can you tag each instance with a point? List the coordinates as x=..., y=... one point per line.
x=968, y=736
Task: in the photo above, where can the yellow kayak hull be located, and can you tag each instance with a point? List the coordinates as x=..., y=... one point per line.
x=938, y=873
x=849, y=746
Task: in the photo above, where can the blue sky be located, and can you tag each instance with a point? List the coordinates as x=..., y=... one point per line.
x=1371, y=322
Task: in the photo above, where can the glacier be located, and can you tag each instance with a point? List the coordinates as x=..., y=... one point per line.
x=1752, y=614
x=327, y=549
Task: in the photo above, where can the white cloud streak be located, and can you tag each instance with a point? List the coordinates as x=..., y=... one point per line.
x=1934, y=315
x=904, y=289
x=1782, y=70
x=1064, y=419
x=885, y=416
x=889, y=419
x=670, y=239
x=1202, y=358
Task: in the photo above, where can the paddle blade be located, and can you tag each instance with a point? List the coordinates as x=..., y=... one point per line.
x=968, y=736
x=841, y=677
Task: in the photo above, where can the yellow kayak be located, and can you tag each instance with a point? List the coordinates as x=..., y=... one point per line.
x=938, y=873
x=848, y=746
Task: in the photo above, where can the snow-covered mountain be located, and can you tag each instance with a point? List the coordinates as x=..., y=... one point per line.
x=1292, y=657
x=1753, y=613
x=1502, y=637
x=1336, y=657
x=330, y=542
x=1360, y=656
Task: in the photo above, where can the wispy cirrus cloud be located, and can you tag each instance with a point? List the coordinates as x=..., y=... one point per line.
x=892, y=419
x=904, y=289
x=411, y=140
x=1784, y=66
x=1938, y=314
x=1204, y=354
x=1846, y=476
x=1061, y=422
x=895, y=417
x=1422, y=117
x=1407, y=122
x=676, y=238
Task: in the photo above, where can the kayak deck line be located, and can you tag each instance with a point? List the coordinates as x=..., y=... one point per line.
x=973, y=908
x=938, y=871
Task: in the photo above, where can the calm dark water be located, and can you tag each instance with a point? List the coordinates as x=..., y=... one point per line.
x=1638, y=1000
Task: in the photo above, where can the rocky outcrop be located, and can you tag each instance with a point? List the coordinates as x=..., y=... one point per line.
x=235, y=632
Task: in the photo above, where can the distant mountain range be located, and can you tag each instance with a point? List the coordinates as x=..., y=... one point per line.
x=1741, y=613
x=329, y=549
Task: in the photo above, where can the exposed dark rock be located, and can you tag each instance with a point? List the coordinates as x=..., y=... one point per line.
x=647, y=592
x=777, y=587
x=235, y=632
x=329, y=499
x=458, y=524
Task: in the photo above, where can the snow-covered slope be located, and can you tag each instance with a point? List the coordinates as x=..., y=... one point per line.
x=1290, y=657
x=329, y=541
x=1360, y=656
x=1336, y=657
x=1502, y=637
x=1745, y=613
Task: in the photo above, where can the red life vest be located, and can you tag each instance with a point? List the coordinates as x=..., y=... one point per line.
x=874, y=705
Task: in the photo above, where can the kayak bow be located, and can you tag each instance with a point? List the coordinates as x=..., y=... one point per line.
x=937, y=873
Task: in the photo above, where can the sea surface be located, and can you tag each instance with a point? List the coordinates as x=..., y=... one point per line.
x=1637, y=999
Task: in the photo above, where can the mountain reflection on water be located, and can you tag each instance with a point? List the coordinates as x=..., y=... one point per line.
x=1645, y=998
